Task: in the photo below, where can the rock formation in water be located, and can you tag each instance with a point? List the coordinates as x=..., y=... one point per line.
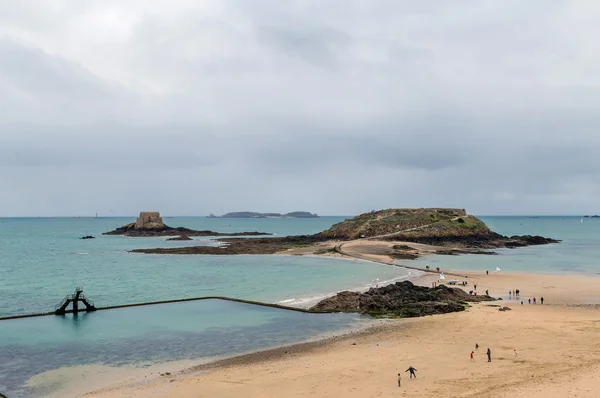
x=151, y=224
x=435, y=226
x=402, y=299
x=451, y=229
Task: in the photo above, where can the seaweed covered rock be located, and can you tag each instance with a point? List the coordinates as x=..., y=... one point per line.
x=402, y=299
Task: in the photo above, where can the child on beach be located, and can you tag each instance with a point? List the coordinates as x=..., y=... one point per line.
x=472, y=358
x=399, y=379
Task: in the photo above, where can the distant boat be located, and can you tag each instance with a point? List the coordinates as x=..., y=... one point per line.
x=582, y=221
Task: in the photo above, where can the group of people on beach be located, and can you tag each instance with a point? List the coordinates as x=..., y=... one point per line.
x=488, y=353
x=535, y=300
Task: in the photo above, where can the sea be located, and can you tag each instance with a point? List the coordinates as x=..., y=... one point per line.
x=43, y=259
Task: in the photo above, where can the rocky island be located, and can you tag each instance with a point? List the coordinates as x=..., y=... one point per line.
x=252, y=214
x=389, y=234
x=151, y=224
x=400, y=300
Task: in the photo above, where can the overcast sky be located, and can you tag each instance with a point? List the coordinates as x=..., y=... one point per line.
x=190, y=107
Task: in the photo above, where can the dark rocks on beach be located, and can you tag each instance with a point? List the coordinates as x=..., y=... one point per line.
x=87, y=237
x=504, y=309
x=151, y=224
x=402, y=299
x=182, y=237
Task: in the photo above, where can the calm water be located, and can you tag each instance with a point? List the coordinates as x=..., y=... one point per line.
x=41, y=260
x=148, y=335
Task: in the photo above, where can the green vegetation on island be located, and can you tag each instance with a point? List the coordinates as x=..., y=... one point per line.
x=416, y=222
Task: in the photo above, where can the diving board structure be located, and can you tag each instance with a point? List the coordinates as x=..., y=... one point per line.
x=61, y=308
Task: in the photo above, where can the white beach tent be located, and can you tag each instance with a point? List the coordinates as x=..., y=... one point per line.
x=442, y=277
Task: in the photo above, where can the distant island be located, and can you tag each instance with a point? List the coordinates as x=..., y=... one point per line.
x=384, y=234
x=150, y=223
x=252, y=214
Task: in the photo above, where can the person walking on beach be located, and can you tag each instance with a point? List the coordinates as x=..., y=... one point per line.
x=476, y=346
x=516, y=353
x=534, y=300
x=529, y=300
x=412, y=372
x=487, y=293
x=474, y=287
x=518, y=293
x=487, y=272
x=542, y=300
x=489, y=355
x=472, y=358
x=399, y=380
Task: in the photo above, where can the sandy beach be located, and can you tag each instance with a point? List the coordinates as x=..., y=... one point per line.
x=556, y=344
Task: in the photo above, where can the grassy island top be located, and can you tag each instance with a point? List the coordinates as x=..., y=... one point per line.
x=409, y=223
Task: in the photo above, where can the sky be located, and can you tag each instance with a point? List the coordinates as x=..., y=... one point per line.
x=338, y=107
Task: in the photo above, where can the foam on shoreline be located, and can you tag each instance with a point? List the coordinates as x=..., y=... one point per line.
x=309, y=301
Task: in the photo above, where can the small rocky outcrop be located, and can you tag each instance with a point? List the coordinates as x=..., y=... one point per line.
x=151, y=224
x=402, y=299
x=182, y=237
x=87, y=237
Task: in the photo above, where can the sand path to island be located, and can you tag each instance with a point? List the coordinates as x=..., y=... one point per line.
x=557, y=344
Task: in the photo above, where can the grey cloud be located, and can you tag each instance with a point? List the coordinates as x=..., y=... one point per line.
x=336, y=107
x=317, y=45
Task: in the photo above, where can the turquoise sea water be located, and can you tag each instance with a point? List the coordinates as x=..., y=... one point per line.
x=41, y=260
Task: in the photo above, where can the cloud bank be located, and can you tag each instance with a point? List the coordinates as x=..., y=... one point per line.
x=336, y=107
